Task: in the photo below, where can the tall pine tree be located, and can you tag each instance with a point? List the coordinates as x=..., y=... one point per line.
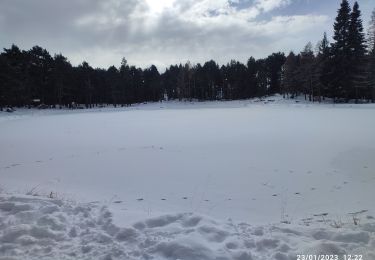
x=289, y=76
x=357, y=72
x=371, y=59
x=339, y=79
x=321, y=69
x=371, y=32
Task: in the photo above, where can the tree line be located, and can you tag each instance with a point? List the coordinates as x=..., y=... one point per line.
x=342, y=70
x=26, y=76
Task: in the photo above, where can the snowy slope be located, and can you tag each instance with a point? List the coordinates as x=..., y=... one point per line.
x=40, y=228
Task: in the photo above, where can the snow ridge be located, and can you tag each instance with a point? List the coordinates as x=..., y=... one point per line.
x=42, y=228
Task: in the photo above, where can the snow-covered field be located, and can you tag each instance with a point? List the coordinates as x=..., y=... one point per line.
x=175, y=180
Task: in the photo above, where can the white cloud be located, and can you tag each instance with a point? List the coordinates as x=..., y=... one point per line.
x=269, y=5
x=172, y=31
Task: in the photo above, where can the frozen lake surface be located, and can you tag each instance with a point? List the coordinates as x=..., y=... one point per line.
x=244, y=160
x=215, y=180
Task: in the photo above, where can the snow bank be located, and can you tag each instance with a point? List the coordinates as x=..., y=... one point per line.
x=40, y=228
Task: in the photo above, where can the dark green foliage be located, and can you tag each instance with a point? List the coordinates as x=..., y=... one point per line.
x=289, y=75
x=342, y=72
x=356, y=35
x=341, y=54
x=34, y=75
x=322, y=70
x=371, y=58
x=357, y=59
x=274, y=62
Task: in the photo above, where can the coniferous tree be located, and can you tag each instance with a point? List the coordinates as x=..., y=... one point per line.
x=3, y=81
x=321, y=69
x=305, y=71
x=340, y=63
x=11, y=74
x=274, y=63
x=40, y=74
x=357, y=72
x=124, y=82
x=151, y=83
x=262, y=77
x=113, y=77
x=61, y=70
x=371, y=59
x=252, y=85
x=371, y=33
x=289, y=76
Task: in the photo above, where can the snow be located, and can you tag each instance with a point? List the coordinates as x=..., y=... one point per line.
x=42, y=228
x=180, y=180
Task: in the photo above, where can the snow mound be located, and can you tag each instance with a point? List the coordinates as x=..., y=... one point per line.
x=41, y=228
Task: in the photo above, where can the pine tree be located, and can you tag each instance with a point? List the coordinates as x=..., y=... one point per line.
x=371, y=59
x=16, y=91
x=339, y=78
x=371, y=33
x=60, y=70
x=252, y=78
x=356, y=34
x=321, y=69
x=289, y=80
x=357, y=47
x=324, y=62
x=305, y=70
x=274, y=62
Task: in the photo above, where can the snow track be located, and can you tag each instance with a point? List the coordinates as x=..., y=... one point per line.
x=41, y=228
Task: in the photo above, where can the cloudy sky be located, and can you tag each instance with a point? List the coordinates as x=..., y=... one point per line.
x=164, y=32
